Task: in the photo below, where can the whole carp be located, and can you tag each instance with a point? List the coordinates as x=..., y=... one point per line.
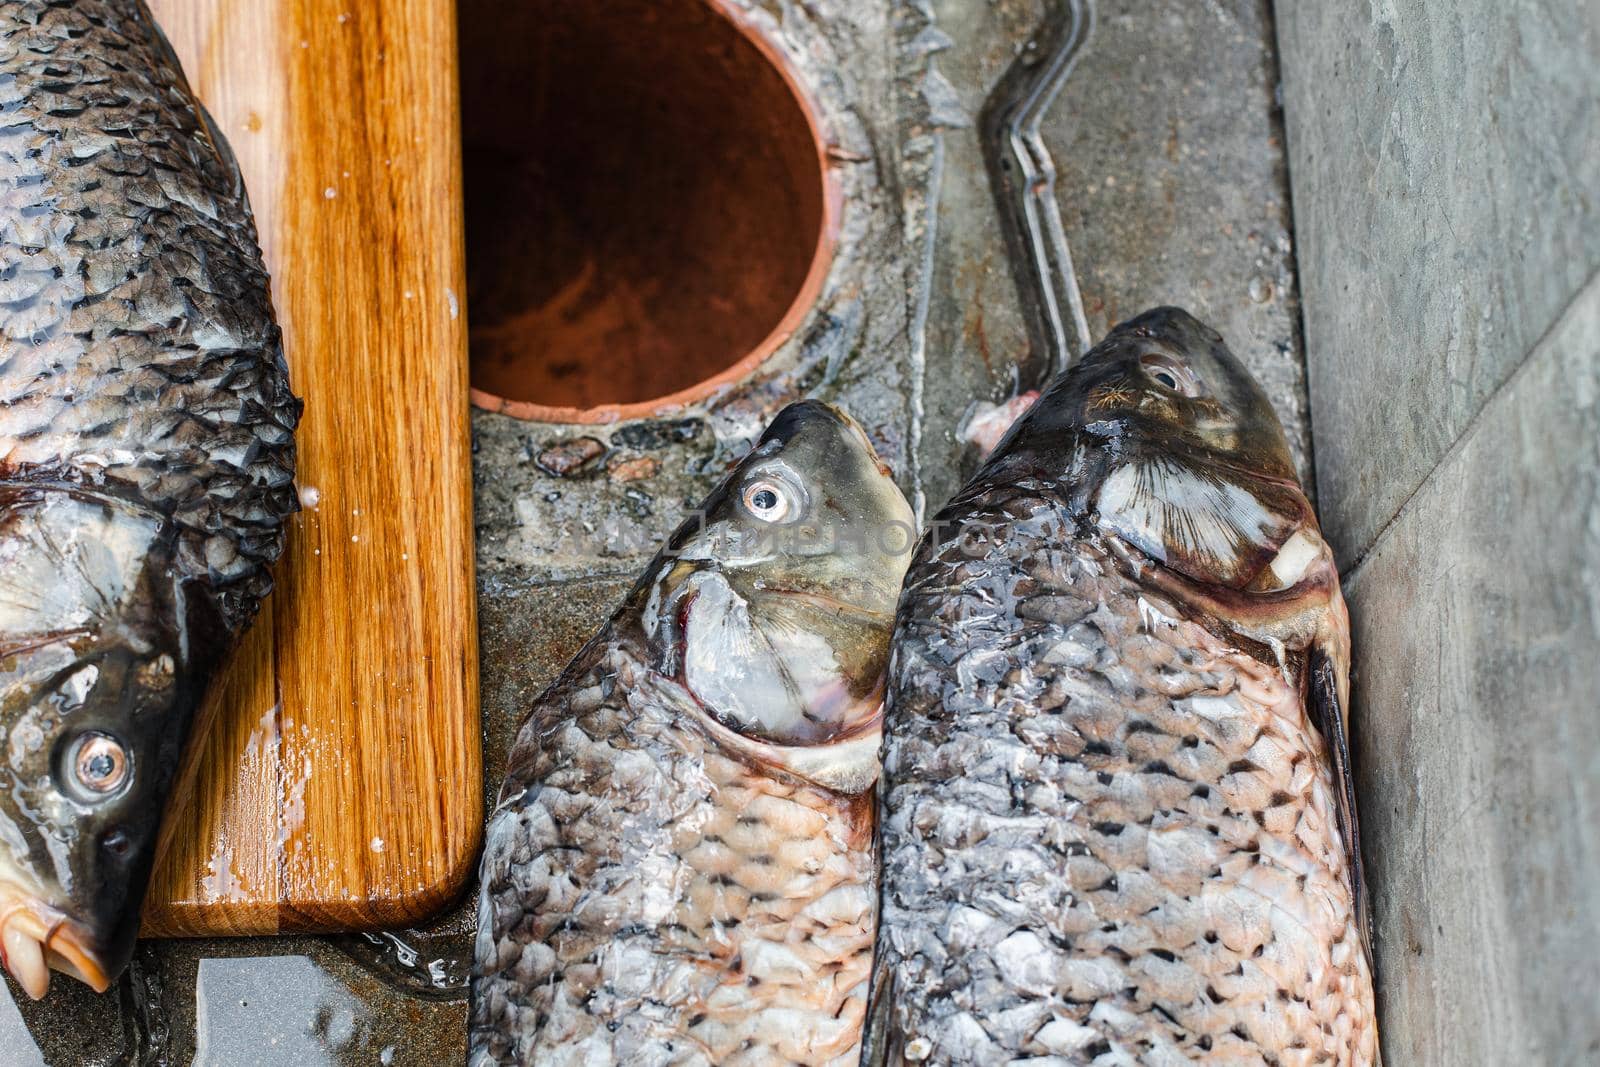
x=1118, y=824
x=146, y=461
x=680, y=867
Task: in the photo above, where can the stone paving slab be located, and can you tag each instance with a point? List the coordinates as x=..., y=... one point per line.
x=1445, y=162
x=1476, y=627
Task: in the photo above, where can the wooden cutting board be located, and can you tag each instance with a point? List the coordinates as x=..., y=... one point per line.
x=338, y=785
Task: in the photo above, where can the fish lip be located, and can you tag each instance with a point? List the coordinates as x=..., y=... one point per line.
x=63, y=943
x=68, y=952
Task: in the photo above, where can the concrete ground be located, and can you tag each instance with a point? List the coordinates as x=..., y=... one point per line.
x=1171, y=186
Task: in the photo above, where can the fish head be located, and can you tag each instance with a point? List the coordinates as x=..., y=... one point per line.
x=773, y=605
x=1171, y=446
x=90, y=675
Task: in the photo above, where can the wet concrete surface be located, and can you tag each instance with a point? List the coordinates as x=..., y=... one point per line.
x=1172, y=190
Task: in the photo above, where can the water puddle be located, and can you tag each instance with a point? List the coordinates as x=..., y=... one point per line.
x=437, y=971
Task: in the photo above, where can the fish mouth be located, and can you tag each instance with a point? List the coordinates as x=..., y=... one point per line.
x=36, y=939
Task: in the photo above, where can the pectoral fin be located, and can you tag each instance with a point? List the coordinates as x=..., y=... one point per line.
x=880, y=1047
x=1326, y=707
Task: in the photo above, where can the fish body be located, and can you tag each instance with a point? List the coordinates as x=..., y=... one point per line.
x=680, y=867
x=1117, y=824
x=146, y=462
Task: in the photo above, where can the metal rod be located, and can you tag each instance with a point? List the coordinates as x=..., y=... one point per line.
x=1023, y=175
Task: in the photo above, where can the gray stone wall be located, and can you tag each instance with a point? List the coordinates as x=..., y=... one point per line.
x=1445, y=168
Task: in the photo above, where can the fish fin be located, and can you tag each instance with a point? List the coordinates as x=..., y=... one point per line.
x=1328, y=715
x=230, y=163
x=208, y=125
x=875, y=1036
x=732, y=666
x=665, y=624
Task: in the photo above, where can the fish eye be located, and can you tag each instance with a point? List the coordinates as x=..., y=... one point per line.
x=1170, y=374
x=768, y=500
x=99, y=764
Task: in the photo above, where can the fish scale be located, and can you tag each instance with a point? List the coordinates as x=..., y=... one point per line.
x=138, y=352
x=1192, y=868
x=619, y=814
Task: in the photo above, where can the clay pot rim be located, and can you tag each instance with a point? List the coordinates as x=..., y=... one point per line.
x=799, y=308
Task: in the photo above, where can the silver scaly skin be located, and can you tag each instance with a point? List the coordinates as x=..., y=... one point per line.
x=680, y=868
x=1117, y=825
x=146, y=462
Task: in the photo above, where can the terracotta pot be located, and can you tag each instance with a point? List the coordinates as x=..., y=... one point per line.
x=650, y=213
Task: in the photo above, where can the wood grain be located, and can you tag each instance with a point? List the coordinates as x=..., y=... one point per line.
x=338, y=785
